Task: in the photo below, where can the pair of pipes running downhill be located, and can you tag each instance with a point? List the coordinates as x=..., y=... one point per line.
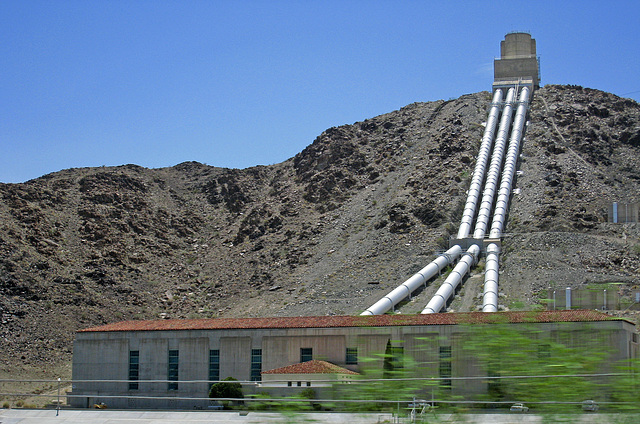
x=470, y=257
x=405, y=289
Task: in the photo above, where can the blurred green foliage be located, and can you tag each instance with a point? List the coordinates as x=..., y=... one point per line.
x=550, y=371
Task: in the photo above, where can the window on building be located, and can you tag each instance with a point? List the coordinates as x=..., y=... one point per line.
x=299, y=383
x=172, y=374
x=134, y=368
x=214, y=365
x=397, y=355
x=256, y=364
x=393, y=360
x=306, y=354
x=352, y=356
x=308, y=384
x=289, y=383
x=544, y=351
x=494, y=383
x=445, y=366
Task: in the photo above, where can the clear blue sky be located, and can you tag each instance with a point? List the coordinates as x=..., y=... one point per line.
x=243, y=83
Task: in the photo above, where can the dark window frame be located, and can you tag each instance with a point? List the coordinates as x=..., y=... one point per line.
x=214, y=365
x=445, y=367
x=306, y=354
x=544, y=351
x=351, y=356
x=256, y=365
x=134, y=369
x=173, y=369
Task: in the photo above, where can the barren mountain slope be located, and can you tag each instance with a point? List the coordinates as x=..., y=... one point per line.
x=326, y=232
x=582, y=152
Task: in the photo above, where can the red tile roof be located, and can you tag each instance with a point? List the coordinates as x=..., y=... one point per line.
x=356, y=321
x=311, y=367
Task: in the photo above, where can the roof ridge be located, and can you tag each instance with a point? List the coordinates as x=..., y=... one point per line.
x=387, y=320
x=314, y=366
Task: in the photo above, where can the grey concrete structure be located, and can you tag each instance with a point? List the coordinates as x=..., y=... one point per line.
x=518, y=61
x=171, y=363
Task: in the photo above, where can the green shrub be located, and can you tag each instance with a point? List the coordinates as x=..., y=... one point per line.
x=227, y=388
x=308, y=394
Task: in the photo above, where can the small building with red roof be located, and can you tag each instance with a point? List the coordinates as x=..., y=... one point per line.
x=314, y=373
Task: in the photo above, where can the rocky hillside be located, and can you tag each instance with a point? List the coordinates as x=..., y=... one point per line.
x=327, y=232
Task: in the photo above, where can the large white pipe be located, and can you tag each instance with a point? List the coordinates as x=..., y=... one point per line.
x=481, y=164
x=405, y=289
x=494, y=168
x=447, y=289
x=490, y=296
x=502, y=204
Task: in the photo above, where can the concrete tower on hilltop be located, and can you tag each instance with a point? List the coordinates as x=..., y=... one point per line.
x=518, y=63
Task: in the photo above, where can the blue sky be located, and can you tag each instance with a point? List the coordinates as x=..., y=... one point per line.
x=243, y=83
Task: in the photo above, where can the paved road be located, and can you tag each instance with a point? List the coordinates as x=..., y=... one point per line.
x=21, y=416
x=25, y=416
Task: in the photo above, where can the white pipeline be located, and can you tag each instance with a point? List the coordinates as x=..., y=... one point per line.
x=405, y=289
x=447, y=289
x=490, y=297
x=502, y=204
x=494, y=168
x=481, y=164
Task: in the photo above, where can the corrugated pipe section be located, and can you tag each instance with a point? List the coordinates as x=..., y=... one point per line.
x=405, y=289
x=470, y=206
x=490, y=297
x=494, y=168
x=445, y=291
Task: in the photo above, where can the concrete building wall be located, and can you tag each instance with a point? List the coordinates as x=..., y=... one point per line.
x=510, y=69
x=194, y=364
x=369, y=343
x=235, y=357
x=105, y=355
x=91, y=363
x=425, y=350
x=328, y=347
x=153, y=362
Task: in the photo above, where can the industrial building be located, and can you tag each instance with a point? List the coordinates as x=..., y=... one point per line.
x=177, y=360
